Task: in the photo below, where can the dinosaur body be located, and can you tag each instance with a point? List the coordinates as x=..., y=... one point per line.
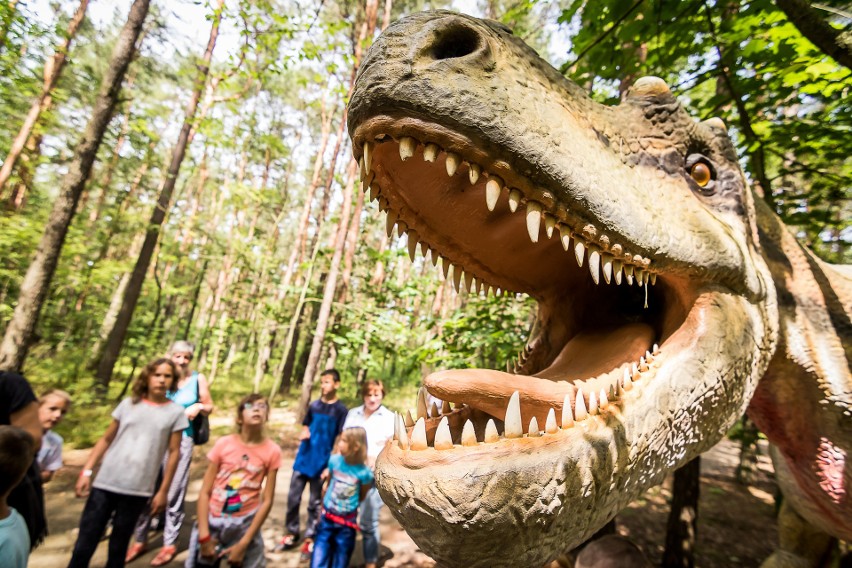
x=659, y=308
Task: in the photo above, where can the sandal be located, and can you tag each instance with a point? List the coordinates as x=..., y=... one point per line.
x=136, y=550
x=166, y=554
x=288, y=542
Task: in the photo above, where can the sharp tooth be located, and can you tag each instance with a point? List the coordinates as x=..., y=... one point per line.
x=512, y=423
x=514, y=200
x=579, y=251
x=406, y=147
x=492, y=192
x=533, y=430
x=643, y=366
x=616, y=268
x=579, y=407
x=402, y=228
x=421, y=403
x=418, y=435
x=430, y=152
x=607, y=267
x=390, y=222
x=457, y=276
x=412, y=245
x=452, y=163
x=445, y=408
x=595, y=265
x=409, y=421
x=468, y=282
x=468, y=437
x=435, y=257
x=604, y=401
x=403, y=436
x=395, y=426
x=565, y=236
x=433, y=411
x=628, y=272
x=653, y=278
x=368, y=156
x=634, y=371
x=549, y=224
x=646, y=277
x=491, y=434
x=361, y=167
x=533, y=220
x=648, y=357
x=374, y=192
x=655, y=349
x=593, y=403
x=550, y=424
x=626, y=382
x=443, y=438
x=473, y=173
x=445, y=265
x=640, y=276
x=567, y=415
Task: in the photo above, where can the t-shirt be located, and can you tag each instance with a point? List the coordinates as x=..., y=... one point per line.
x=379, y=427
x=50, y=454
x=241, y=469
x=344, y=486
x=132, y=461
x=325, y=421
x=14, y=541
x=186, y=396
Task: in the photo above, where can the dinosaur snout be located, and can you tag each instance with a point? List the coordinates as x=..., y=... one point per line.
x=453, y=41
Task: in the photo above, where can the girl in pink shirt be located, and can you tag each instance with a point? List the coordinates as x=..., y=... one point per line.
x=234, y=500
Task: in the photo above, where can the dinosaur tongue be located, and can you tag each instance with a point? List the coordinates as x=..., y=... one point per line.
x=596, y=357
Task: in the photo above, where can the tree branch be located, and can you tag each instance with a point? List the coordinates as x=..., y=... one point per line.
x=835, y=43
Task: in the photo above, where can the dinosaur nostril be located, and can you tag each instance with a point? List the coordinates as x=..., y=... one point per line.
x=457, y=41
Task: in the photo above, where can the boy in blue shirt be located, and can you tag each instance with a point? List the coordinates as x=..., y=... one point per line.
x=321, y=426
x=17, y=450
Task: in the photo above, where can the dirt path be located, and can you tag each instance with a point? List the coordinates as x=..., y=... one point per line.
x=736, y=524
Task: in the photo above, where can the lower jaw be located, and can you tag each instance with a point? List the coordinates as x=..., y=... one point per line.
x=522, y=502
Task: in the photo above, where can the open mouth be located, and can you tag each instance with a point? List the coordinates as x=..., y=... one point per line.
x=608, y=312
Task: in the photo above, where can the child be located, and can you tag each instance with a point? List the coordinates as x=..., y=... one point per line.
x=349, y=482
x=143, y=428
x=52, y=407
x=233, y=503
x=321, y=426
x=377, y=420
x=16, y=450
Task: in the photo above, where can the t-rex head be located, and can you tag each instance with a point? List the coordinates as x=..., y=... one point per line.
x=632, y=226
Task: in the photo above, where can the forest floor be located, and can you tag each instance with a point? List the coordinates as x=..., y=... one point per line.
x=736, y=524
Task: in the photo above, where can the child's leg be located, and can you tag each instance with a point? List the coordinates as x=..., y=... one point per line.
x=294, y=500
x=177, y=493
x=369, y=524
x=127, y=509
x=321, y=557
x=314, y=506
x=344, y=544
x=96, y=514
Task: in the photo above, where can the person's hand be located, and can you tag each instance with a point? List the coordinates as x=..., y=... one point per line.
x=304, y=434
x=208, y=549
x=236, y=553
x=324, y=475
x=84, y=485
x=158, y=503
x=193, y=410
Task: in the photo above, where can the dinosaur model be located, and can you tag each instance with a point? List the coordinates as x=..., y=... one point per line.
x=669, y=298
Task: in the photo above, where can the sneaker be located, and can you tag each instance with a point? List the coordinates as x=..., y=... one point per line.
x=306, y=550
x=287, y=542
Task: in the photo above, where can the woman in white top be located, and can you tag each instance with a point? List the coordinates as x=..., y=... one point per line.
x=378, y=422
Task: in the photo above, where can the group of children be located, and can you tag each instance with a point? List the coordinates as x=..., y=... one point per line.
x=238, y=487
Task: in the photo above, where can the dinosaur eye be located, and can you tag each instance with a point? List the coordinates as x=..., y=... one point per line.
x=700, y=172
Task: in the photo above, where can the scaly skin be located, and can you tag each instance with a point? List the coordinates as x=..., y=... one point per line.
x=450, y=113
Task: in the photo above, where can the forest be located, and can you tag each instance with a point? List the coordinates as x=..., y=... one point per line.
x=182, y=170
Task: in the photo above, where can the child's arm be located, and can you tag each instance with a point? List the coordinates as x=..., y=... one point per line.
x=365, y=488
x=237, y=552
x=208, y=548
x=84, y=482
x=305, y=433
x=158, y=503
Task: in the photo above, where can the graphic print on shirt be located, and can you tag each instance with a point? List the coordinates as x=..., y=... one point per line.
x=343, y=494
x=238, y=476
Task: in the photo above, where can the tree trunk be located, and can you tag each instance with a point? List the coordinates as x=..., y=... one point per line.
x=683, y=517
x=747, y=468
x=834, y=42
x=328, y=292
x=52, y=70
x=21, y=329
x=114, y=342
